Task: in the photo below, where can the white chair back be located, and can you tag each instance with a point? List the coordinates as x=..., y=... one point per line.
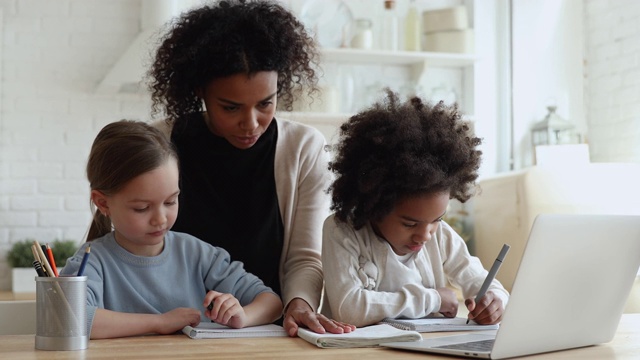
x=17, y=317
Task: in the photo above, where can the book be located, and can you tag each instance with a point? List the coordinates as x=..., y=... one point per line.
x=216, y=331
x=436, y=324
x=368, y=336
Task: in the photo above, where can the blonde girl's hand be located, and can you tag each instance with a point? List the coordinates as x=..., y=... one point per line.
x=176, y=319
x=487, y=311
x=224, y=309
x=448, y=302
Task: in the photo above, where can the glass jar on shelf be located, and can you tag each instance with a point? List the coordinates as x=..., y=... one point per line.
x=363, y=37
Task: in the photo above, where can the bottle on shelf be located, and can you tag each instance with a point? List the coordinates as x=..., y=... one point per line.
x=346, y=87
x=389, y=29
x=412, y=30
x=363, y=37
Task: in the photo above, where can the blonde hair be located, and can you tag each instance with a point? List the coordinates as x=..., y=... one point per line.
x=120, y=152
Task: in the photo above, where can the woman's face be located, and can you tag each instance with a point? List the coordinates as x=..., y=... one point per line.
x=240, y=107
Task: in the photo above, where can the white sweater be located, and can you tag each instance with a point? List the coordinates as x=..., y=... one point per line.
x=365, y=281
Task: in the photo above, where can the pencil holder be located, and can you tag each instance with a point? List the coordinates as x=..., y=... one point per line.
x=61, y=313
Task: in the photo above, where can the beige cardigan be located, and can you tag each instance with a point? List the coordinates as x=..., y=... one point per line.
x=302, y=178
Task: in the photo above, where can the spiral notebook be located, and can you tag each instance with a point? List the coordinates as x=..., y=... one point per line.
x=216, y=331
x=437, y=324
x=368, y=336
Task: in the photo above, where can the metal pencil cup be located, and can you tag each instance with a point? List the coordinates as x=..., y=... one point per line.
x=61, y=313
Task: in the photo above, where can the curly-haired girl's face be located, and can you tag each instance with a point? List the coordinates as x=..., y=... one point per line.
x=241, y=107
x=412, y=222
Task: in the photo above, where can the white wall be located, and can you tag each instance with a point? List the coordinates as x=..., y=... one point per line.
x=586, y=56
x=613, y=79
x=54, y=53
x=547, y=67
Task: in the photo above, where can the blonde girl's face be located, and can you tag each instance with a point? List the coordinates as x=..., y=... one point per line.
x=413, y=222
x=144, y=210
x=240, y=107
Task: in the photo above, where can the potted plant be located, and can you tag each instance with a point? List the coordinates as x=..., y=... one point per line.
x=20, y=259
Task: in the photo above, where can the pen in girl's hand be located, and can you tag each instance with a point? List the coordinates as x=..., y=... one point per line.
x=492, y=273
x=87, y=251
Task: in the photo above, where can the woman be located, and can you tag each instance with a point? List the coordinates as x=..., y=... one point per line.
x=251, y=184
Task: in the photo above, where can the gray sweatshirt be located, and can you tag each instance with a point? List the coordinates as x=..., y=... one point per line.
x=179, y=277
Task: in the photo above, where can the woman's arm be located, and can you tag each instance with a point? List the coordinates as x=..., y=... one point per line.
x=305, y=205
x=113, y=324
x=302, y=179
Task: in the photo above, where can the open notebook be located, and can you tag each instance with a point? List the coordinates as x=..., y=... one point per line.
x=570, y=290
x=215, y=331
x=362, y=337
x=437, y=324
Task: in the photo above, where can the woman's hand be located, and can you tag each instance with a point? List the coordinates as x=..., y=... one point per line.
x=299, y=313
x=224, y=309
x=487, y=311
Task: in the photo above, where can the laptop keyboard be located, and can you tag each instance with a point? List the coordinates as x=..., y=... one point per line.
x=482, y=345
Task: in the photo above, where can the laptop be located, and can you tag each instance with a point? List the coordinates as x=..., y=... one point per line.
x=570, y=289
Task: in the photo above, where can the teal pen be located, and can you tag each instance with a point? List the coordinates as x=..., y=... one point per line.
x=84, y=260
x=492, y=273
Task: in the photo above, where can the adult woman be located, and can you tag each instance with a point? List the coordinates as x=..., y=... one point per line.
x=249, y=183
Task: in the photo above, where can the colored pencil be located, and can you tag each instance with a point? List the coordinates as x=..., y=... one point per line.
x=84, y=260
x=52, y=260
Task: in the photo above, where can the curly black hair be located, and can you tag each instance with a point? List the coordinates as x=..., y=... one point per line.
x=227, y=38
x=395, y=150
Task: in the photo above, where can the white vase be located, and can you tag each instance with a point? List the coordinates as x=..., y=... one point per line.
x=23, y=280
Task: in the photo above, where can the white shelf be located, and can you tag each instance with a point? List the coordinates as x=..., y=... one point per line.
x=418, y=62
x=315, y=117
x=331, y=118
x=380, y=57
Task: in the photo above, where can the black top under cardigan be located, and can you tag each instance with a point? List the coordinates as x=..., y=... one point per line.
x=228, y=196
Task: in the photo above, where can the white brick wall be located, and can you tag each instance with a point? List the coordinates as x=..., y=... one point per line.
x=54, y=53
x=612, y=91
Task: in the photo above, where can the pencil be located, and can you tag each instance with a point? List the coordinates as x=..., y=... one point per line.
x=52, y=261
x=37, y=260
x=35, y=253
x=87, y=251
x=43, y=259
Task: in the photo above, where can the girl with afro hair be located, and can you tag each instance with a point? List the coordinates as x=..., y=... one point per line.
x=250, y=183
x=386, y=250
